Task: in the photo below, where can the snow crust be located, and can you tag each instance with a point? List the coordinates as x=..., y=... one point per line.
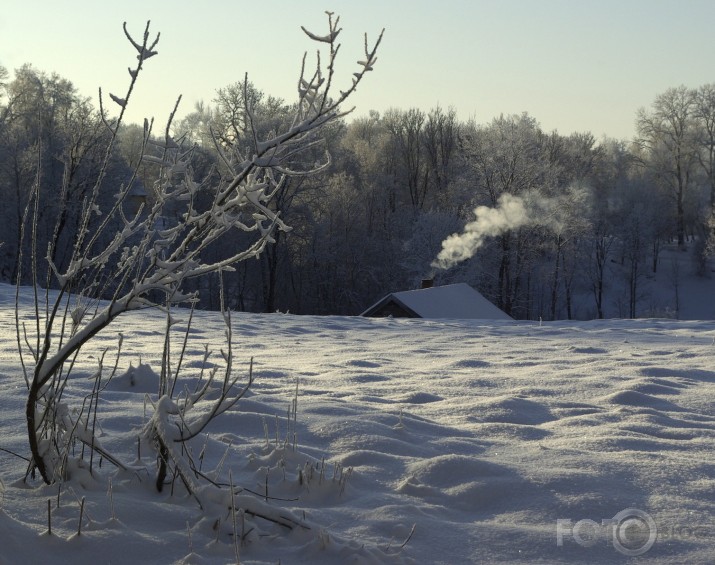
x=490, y=438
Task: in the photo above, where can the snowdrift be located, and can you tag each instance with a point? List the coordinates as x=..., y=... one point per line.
x=498, y=442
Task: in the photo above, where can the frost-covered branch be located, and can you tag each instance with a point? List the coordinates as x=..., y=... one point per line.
x=124, y=259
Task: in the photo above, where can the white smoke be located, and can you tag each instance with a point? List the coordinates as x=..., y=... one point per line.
x=510, y=213
x=558, y=213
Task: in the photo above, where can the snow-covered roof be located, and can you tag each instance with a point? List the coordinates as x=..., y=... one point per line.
x=450, y=301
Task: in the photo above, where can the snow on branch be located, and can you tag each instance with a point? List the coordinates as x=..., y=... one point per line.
x=122, y=259
x=144, y=49
x=312, y=98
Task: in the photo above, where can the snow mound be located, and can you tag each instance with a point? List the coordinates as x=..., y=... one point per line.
x=141, y=379
x=513, y=410
x=640, y=400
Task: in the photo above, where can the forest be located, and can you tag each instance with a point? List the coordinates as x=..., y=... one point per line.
x=593, y=214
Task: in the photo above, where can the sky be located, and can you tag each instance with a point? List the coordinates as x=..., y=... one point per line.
x=574, y=65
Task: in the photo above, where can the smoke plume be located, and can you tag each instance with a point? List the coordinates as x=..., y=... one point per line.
x=509, y=214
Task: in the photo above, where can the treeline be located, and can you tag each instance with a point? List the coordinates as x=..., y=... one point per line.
x=596, y=213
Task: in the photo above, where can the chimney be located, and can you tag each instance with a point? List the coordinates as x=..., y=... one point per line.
x=427, y=283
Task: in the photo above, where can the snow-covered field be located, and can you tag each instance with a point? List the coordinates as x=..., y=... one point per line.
x=503, y=442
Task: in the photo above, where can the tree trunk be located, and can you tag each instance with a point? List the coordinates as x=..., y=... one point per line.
x=30, y=416
x=270, y=274
x=656, y=253
x=633, y=287
x=504, y=279
x=680, y=209
x=555, y=282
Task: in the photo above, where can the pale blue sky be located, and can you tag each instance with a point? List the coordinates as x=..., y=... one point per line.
x=574, y=65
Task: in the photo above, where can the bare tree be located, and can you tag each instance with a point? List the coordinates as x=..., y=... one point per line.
x=667, y=135
x=441, y=133
x=407, y=131
x=150, y=257
x=507, y=158
x=704, y=113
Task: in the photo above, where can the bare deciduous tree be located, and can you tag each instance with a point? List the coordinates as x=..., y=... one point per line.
x=668, y=135
x=149, y=256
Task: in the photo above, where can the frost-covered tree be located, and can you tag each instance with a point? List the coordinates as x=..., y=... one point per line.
x=668, y=136
x=704, y=113
x=52, y=133
x=507, y=158
x=600, y=240
x=123, y=259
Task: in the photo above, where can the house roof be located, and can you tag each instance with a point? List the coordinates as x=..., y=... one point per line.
x=450, y=301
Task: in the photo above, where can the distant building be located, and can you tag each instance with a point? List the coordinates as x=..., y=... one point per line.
x=136, y=198
x=449, y=301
